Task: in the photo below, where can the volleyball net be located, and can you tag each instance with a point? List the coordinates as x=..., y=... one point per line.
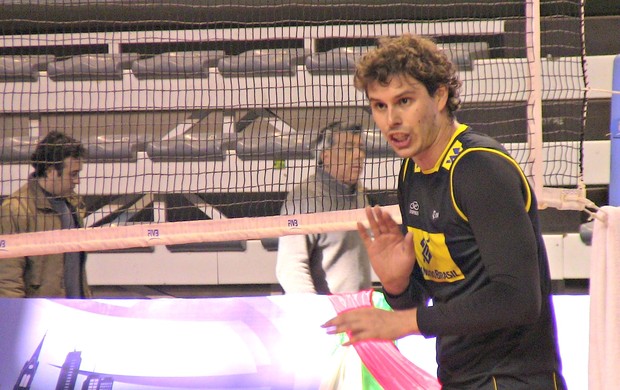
x=199, y=119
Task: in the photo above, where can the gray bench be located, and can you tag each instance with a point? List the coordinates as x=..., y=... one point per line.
x=340, y=60
x=190, y=64
x=266, y=62
x=91, y=67
x=23, y=68
x=188, y=146
x=17, y=150
x=114, y=147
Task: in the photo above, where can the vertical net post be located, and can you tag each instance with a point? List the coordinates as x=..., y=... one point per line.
x=534, y=112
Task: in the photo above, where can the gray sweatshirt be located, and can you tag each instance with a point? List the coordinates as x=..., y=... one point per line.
x=323, y=263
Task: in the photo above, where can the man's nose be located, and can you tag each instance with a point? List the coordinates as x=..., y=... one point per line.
x=394, y=117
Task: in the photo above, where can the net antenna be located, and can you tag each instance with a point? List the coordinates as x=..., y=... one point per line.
x=197, y=125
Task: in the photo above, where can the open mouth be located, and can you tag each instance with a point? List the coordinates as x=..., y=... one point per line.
x=399, y=140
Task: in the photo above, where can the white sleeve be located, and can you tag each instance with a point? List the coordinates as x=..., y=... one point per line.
x=293, y=264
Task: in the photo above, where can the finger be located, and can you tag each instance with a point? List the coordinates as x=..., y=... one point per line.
x=363, y=232
x=372, y=220
x=385, y=222
x=338, y=324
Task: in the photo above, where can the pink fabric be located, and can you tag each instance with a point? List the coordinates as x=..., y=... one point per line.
x=381, y=357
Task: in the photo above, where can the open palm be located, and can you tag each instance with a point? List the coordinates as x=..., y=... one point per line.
x=391, y=253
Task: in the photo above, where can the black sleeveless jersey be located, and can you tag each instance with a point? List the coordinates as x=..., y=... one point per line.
x=481, y=260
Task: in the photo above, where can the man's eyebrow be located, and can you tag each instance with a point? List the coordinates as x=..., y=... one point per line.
x=409, y=91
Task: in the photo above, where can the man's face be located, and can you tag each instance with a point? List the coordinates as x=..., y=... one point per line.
x=409, y=118
x=345, y=159
x=63, y=184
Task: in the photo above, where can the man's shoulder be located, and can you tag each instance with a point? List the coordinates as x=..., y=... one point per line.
x=20, y=195
x=472, y=138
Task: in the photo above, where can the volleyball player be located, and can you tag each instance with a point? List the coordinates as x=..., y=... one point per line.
x=468, y=266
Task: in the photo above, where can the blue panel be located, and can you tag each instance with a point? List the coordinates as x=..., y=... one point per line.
x=614, y=131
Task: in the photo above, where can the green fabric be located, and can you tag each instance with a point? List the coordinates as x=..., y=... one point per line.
x=379, y=301
x=368, y=381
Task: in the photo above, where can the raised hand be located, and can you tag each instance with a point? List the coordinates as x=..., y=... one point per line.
x=392, y=255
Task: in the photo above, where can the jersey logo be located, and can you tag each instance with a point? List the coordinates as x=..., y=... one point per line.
x=434, y=258
x=453, y=152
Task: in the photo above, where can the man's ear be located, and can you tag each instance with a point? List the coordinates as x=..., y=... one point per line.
x=441, y=97
x=50, y=172
x=326, y=157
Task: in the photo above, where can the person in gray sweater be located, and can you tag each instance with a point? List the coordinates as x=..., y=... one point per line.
x=333, y=262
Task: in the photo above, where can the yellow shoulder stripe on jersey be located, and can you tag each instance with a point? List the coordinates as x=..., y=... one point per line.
x=528, y=201
x=449, y=152
x=404, y=171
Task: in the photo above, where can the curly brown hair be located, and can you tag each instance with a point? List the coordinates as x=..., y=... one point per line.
x=413, y=56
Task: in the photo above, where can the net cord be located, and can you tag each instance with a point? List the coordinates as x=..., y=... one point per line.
x=169, y=233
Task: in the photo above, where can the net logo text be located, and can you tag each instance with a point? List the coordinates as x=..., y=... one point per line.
x=293, y=223
x=3, y=245
x=152, y=233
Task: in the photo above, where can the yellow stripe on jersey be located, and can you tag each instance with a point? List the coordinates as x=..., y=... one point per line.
x=434, y=258
x=528, y=200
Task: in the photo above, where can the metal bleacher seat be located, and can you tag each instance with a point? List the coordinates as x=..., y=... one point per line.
x=216, y=246
x=17, y=150
x=177, y=210
x=376, y=145
x=464, y=53
x=190, y=64
x=270, y=244
x=114, y=147
x=188, y=146
x=262, y=135
x=265, y=62
x=92, y=67
x=340, y=60
x=274, y=146
x=24, y=67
